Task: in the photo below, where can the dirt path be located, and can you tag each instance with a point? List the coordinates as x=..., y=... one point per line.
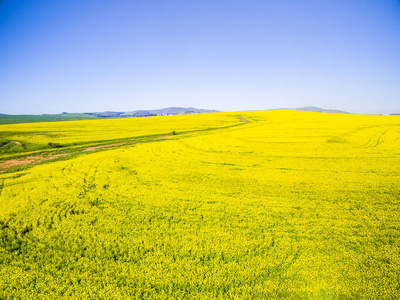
x=103, y=146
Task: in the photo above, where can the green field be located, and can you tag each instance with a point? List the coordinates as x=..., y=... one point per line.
x=16, y=119
x=244, y=205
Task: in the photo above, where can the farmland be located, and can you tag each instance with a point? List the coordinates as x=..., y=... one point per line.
x=243, y=205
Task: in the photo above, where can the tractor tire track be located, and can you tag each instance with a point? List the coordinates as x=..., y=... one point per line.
x=1, y=186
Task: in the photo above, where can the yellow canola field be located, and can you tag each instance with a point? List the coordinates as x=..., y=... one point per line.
x=86, y=131
x=292, y=205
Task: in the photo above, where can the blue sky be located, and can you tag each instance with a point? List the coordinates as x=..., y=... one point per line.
x=86, y=56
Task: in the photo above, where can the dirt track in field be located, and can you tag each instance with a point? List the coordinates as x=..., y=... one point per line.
x=103, y=146
x=29, y=160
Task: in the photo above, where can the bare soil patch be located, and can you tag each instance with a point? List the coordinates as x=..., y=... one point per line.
x=29, y=160
x=103, y=146
x=243, y=119
x=164, y=137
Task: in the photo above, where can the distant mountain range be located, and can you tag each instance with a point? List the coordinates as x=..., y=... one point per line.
x=154, y=112
x=14, y=119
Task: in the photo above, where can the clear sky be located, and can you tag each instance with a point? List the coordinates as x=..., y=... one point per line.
x=94, y=55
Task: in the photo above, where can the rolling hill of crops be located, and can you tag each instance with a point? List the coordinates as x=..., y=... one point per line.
x=244, y=205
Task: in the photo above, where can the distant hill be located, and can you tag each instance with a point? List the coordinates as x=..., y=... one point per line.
x=316, y=109
x=322, y=110
x=154, y=112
